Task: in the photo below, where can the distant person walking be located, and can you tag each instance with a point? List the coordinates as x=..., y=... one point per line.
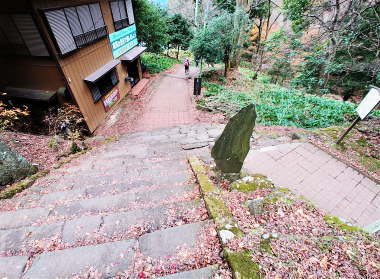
x=186, y=63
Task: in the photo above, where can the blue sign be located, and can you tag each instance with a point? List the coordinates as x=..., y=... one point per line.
x=123, y=40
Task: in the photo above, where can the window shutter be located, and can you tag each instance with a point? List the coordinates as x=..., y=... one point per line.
x=61, y=30
x=96, y=15
x=30, y=34
x=115, y=11
x=123, y=12
x=85, y=18
x=73, y=20
x=131, y=17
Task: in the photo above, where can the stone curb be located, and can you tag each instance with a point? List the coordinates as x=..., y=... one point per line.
x=240, y=262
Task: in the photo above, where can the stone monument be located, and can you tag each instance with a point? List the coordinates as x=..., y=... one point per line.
x=232, y=146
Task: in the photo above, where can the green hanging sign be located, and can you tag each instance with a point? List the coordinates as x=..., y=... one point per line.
x=123, y=40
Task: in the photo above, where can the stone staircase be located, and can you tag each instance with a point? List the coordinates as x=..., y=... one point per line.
x=130, y=209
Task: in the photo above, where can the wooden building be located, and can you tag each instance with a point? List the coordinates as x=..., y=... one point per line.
x=87, y=47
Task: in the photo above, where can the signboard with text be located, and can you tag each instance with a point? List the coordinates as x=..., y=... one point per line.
x=111, y=99
x=123, y=40
x=370, y=101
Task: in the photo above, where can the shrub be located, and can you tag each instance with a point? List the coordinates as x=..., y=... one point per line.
x=13, y=118
x=277, y=105
x=66, y=120
x=156, y=63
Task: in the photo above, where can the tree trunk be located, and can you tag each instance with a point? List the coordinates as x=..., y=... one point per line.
x=258, y=47
x=244, y=5
x=226, y=64
x=177, y=52
x=225, y=68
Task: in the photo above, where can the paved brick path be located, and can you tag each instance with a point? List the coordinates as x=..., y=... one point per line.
x=110, y=211
x=171, y=103
x=330, y=184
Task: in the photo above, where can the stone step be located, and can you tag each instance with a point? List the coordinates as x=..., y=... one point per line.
x=122, y=202
x=12, y=267
x=97, y=205
x=101, y=228
x=202, y=273
x=111, y=258
x=106, y=259
x=130, y=180
x=114, y=167
x=22, y=217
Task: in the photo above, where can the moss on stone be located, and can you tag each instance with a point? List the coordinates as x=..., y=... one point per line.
x=22, y=185
x=236, y=231
x=283, y=190
x=199, y=170
x=196, y=165
x=255, y=182
x=217, y=208
x=242, y=265
x=110, y=139
x=206, y=184
x=336, y=222
x=265, y=246
x=271, y=199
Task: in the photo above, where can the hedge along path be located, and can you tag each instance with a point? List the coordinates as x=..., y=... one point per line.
x=240, y=262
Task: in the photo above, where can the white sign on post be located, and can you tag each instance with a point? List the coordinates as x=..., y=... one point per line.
x=369, y=102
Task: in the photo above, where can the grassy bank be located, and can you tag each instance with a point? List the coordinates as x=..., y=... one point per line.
x=157, y=63
x=275, y=105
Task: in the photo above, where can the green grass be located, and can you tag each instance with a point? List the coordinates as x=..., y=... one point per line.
x=277, y=105
x=157, y=63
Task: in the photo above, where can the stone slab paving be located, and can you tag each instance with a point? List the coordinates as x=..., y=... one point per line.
x=98, y=212
x=330, y=184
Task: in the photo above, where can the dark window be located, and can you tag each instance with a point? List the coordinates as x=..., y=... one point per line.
x=119, y=14
x=75, y=27
x=104, y=84
x=19, y=35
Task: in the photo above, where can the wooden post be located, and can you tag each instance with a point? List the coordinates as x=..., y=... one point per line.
x=348, y=130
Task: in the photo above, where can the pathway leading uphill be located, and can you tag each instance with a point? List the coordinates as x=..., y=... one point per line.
x=128, y=210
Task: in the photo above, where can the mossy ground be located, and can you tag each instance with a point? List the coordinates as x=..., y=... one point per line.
x=287, y=221
x=242, y=265
x=358, y=147
x=252, y=183
x=336, y=222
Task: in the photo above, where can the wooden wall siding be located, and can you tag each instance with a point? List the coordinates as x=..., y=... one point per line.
x=16, y=6
x=30, y=72
x=79, y=64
